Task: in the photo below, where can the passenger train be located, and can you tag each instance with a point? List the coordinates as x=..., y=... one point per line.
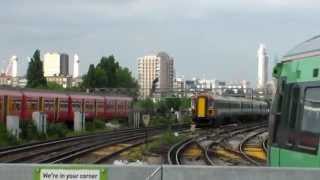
x=60, y=106
x=214, y=110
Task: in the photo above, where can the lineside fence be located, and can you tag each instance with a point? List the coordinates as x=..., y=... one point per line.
x=165, y=172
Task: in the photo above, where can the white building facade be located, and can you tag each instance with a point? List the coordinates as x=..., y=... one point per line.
x=155, y=73
x=51, y=64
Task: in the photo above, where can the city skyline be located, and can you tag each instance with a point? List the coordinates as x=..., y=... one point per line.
x=218, y=40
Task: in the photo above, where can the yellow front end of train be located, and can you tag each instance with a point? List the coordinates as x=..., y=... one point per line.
x=203, y=110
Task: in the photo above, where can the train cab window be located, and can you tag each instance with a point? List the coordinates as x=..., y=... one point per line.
x=311, y=111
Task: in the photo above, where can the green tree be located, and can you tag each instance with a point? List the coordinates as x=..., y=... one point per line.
x=35, y=75
x=146, y=105
x=110, y=67
x=89, y=78
x=109, y=74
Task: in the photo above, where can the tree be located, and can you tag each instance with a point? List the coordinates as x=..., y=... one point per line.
x=146, y=105
x=54, y=86
x=89, y=78
x=35, y=75
x=110, y=67
x=108, y=74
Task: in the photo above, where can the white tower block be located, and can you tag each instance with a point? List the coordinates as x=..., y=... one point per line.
x=262, y=66
x=76, y=63
x=14, y=70
x=12, y=67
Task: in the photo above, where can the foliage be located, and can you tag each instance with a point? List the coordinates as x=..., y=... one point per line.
x=162, y=121
x=57, y=130
x=35, y=75
x=146, y=105
x=29, y=132
x=108, y=74
x=5, y=138
x=178, y=103
x=54, y=86
x=95, y=125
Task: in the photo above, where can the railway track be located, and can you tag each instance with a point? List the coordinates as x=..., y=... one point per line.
x=222, y=150
x=65, y=150
x=202, y=144
x=256, y=148
x=176, y=150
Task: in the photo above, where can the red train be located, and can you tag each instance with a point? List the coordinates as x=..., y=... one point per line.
x=60, y=107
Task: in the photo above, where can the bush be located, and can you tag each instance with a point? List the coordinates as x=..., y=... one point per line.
x=6, y=139
x=58, y=130
x=99, y=124
x=95, y=125
x=161, y=121
x=29, y=132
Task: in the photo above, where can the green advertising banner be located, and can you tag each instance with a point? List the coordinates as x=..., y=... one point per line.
x=70, y=173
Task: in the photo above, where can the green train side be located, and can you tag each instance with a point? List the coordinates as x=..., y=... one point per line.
x=295, y=114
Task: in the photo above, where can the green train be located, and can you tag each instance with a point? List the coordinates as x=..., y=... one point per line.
x=295, y=113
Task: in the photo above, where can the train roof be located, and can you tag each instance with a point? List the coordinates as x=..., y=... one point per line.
x=308, y=48
x=44, y=94
x=85, y=96
x=233, y=99
x=10, y=92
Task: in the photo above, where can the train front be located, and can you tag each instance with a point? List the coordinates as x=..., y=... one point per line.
x=203, y=112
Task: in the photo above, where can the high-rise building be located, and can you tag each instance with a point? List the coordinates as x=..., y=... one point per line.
x=156, y=74
x=51, y=64
x=262, y=66
x=12, y=67
x=64, y=64
x=76, y=63
x=56, y=64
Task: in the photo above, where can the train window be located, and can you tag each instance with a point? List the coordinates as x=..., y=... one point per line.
x=63, y=106
x=76, y=106
x=311, y=111
x=32, y=105
x=48, y=105
x=89, y=106
x=16, y=106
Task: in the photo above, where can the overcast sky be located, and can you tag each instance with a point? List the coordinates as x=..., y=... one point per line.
x=207, y=38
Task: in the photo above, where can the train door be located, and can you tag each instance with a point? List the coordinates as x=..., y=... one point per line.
x=201, y=106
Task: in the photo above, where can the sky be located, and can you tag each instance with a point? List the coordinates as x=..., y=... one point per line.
x=213, y=39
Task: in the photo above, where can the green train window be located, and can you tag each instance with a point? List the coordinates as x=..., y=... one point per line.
x=315, y=72
x=311, y=111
